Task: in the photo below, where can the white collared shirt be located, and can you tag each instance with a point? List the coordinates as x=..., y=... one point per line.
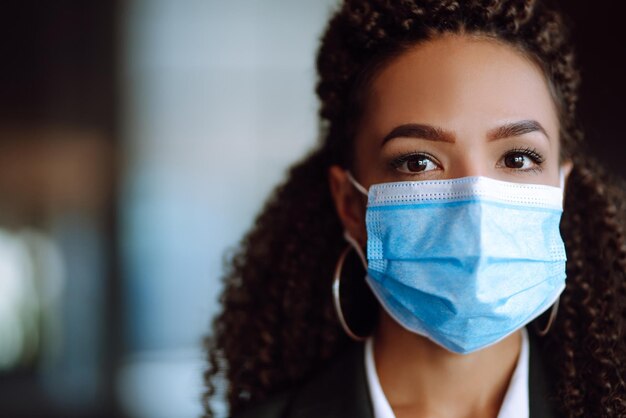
x=514, y=405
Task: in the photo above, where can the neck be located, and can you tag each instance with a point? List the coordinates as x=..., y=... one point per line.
x=420, y=378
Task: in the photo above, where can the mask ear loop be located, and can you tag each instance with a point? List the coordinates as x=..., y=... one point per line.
x=357, y=248
x=336, y=288
x=356, y=184
x=555, y=307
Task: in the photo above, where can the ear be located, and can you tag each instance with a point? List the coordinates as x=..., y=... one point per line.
x=349, y=203
x=567, y=167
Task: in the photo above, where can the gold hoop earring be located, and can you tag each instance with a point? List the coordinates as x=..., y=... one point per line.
x=336, y=296
x=553, y=312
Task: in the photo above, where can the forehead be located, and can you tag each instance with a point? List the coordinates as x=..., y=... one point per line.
x=456, y=80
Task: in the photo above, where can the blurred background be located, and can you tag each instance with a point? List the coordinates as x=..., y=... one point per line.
x=138, y=139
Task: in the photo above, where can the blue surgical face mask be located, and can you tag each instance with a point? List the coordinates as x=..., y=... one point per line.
x=464, y=262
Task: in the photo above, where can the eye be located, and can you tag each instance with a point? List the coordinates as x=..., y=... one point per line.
x=522, y=159
x=415, y=163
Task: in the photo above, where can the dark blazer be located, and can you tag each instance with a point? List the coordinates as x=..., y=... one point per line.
x=341, y=391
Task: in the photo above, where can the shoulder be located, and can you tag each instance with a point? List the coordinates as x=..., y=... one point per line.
x=338, y=390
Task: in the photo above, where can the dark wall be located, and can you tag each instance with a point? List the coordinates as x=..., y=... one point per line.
x=600, y=39
x=58, y=63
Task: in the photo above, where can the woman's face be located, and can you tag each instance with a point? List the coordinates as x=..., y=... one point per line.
x=452, y=107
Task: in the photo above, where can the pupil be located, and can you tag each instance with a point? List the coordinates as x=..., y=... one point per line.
x=514, y=161
x=417, y=165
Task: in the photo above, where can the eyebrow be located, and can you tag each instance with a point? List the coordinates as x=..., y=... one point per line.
x=418, y=130
x=509, y=130
x=433, y=133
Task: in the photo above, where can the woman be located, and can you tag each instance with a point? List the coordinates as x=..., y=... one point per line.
x=457, y=120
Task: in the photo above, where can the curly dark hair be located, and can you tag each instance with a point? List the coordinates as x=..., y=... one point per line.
x=278, y=324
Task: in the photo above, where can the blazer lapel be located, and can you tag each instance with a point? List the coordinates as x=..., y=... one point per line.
x=340, y=391
x=539, y=399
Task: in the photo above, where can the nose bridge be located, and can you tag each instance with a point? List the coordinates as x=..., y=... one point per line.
x=469, y=158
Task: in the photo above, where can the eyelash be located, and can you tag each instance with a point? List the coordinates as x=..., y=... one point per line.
x=529, y=152
x=400, y=159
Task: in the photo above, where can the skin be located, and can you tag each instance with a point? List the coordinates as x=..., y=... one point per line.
x=466, y=87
